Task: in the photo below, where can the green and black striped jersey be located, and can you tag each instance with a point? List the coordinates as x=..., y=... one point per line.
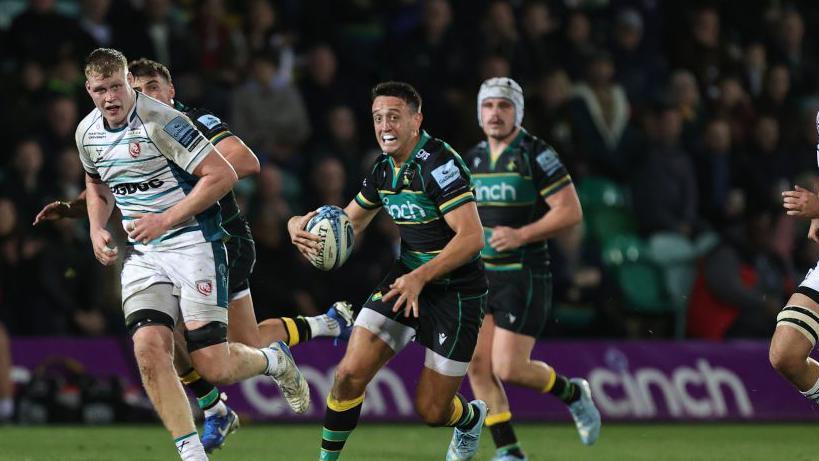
x=510, y=190
x=432, y=182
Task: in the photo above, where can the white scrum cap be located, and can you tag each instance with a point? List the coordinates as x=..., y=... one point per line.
x=502, y=87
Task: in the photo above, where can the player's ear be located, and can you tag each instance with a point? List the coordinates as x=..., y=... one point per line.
x=418, y=118
x=130, y=78
x=171, y=90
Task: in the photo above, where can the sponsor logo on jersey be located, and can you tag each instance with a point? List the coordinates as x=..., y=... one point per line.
x=134, y=149
x=183, y=132
x=446, y=174
x=548, y=161
x=476, y=162
x=209, y=121
x=404, y=211
x=497, y=192
x=133, y=187
x=204, y=286
x=422, y=155
x=441, y=338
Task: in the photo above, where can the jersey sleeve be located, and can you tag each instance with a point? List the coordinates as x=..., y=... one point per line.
x=548, y=172
x=177, y=138
x=448, y=182
x=368, y=197
x=87, y=163
x=212, y=127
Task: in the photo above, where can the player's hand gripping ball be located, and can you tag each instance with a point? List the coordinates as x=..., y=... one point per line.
x=333, y=226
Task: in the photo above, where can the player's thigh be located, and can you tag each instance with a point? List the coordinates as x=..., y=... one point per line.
x=797, y=327
x=510, y=349
x=481, y=364
x=448, y=327
x=366, y=354
x=377, y=317
x=242, y=325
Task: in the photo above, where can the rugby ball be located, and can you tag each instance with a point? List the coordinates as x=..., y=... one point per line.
x=333, y=226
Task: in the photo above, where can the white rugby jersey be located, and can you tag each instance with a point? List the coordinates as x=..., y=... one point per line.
x=148, y=164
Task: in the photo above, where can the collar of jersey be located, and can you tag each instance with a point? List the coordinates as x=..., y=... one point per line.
x=410, y=160
x=512, y=145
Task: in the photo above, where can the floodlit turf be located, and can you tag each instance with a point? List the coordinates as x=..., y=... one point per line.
x=408, y=442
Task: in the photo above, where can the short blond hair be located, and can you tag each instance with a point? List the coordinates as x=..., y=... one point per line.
x=104, y=62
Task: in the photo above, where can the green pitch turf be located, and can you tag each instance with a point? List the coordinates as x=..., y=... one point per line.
x=746, y=442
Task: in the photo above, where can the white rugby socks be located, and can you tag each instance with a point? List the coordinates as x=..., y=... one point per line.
x=190, y=448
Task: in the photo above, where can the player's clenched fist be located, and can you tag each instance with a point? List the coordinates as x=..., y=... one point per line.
x=801, y=203
x=104, y=250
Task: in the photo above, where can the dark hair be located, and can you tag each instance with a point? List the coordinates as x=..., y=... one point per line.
x=401, y=90
x=144, y=67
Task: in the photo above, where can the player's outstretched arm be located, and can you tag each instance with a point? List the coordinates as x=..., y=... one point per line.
x=359, y=216
x=100, y=204
x=216, y=178
x=465, y=245
x=564, y=211
x=801, y=203
x=240, y=157
x=62, y=209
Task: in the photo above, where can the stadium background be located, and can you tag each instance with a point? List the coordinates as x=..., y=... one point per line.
x=680, y=121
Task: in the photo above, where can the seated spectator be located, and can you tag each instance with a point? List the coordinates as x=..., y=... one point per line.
x=742, y=284
x=665, y=184
x=258, y=115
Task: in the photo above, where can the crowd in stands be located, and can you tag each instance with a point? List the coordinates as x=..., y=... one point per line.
x=680, y=122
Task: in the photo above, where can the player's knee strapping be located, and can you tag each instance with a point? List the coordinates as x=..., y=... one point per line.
x=208, y=335
x=339, y=421
x=802, y=320
x=147, y=317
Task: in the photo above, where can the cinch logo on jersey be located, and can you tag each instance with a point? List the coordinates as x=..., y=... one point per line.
x=498, y=192
x=404, y=211
x=130, y=188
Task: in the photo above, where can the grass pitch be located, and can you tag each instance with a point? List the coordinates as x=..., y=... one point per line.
x=672, y=442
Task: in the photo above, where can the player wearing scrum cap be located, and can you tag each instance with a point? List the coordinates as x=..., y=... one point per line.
x=797, y=325
x=525, y=196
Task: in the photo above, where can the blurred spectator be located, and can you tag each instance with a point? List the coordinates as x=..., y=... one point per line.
x=327, y=186
x=741, y=285
x=766, y=169
x=703, y=51
x=221, y=44
x=70, y=175
x=722, y=201
x=263, y=34
x=755, y=66
x=685, y=95
x=23, y=310
x=26, y=98
x=68, y=276
x=435, y=60
x=600, y=115
x=790, y=47
x=638, y=68
x=157, y=33
x=577, y=46
x=547, y=115
x=665, y=184
x=6, y=385
x=777, y=102
x=342, y=142
x=259, y=117
x=270, y=194
x=25, y=185
x=734, y=105
x=40, y=33
x=95, y=23
x=281, y=281
x=321, y=88
x=500, y=33
x=62, y=121
x=540, y=41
